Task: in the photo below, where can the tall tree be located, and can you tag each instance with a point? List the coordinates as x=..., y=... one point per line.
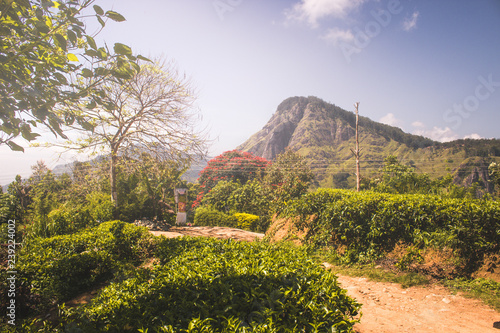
x=288, y=176
x=43, y=44
x=151, y=112
x=160, y=178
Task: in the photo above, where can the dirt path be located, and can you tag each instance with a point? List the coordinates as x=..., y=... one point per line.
x=387, y=307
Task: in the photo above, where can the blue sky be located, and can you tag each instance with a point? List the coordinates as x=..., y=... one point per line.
x=429, y=67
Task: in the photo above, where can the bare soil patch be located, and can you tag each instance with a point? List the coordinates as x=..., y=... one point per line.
x=216, y=232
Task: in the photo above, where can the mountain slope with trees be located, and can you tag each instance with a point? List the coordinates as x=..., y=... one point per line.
x=324, y=134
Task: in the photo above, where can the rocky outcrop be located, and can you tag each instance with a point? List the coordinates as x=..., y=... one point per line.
x=299, y=122
x=474, y=171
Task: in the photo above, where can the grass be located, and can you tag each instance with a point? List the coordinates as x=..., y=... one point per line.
x=486, y=290
x=405, y=279
x=371, y=271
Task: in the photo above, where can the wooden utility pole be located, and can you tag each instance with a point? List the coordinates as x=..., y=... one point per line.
x=356, y=151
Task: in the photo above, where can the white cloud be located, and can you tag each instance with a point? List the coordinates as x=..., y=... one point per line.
x=474, y=136
x=410, y=23
x=390, y=119
x=438, y=134
x=313, y=10
x=336, y=35
x=418, y=124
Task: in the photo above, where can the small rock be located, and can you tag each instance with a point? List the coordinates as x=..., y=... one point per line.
x=446, y=300
x=496, y=324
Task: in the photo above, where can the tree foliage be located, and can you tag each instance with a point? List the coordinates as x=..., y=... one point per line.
x=403, y=178
x=399, y=178
x=45, y=51
x=151, y=112
x=48, y=204
x=158, y=179
x=289, y=176
x=231, y=165
x=396, y=177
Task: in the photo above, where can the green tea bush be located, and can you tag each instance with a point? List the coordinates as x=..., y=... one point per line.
x=368, y=224
x=246, y=221
x=100, y=206
x=57, y=268
x=208, y=285
x=67, y=219
x=208, y=216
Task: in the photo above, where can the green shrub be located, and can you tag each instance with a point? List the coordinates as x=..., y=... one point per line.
x=208, y=285
x=7, y=207
x=67, y=219
x=246, y=221
x=208, y=216
x=218, y=197
x=70, y=217
x=251, y=198
x=100, y=206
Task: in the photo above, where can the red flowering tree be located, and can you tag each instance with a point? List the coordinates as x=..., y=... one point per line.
x=231, y=165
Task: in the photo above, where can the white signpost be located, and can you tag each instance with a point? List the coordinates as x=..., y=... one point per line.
x=181, y=202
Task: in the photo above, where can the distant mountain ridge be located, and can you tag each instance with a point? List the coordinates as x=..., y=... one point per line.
x=324, y=133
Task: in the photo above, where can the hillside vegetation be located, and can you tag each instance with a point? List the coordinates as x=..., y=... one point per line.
x=324, y=133
x=434, y=235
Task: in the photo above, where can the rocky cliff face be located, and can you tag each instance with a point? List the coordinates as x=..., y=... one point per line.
x=474, y=170
x=300, y=122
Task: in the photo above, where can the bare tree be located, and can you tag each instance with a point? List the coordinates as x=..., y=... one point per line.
x=150, y=113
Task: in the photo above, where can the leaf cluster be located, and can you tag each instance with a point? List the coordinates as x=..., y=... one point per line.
x=39, y=66
x=208, y=216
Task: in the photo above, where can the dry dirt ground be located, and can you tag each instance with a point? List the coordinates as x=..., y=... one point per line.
x=388, y=308
x=217, y=232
